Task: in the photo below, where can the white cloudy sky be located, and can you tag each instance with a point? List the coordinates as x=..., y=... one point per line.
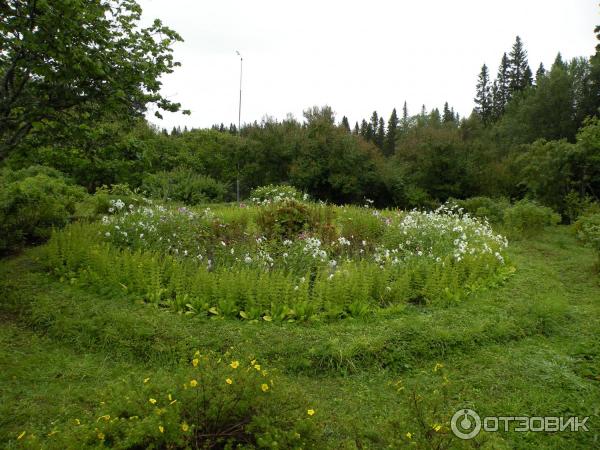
x=356, y=56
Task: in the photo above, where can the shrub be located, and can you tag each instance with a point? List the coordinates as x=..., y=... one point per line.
x=276, y=193
x=212, y=401
x=526, y=218
x=283, y=219
x=485, y=207
x=104, y=199
x=32, y=202
x=587, y=229
x=184, y=185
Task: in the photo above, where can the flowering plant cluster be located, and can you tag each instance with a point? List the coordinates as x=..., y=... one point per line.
x=210, y=401
x=276, y=194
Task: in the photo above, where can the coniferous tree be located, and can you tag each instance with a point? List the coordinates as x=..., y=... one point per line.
x=519, y=73
x=364, y=130
x=380, y=134
x=448, y=114
x=483, y=96
x=405, y=120
x=374, y=122
x=435, y=119
x=345, y=124
x=392, y=130
x=540, y=73
x=356, y=130
x=502, y=91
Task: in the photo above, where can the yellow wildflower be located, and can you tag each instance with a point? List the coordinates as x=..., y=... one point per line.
x=153, y=401
x=409, y=435
x=21, y=435
x=235, y=364
x=197, y=354
x=253, y=362
x=193, y=383
x=161, y=428
x=146, y=380
x=229, y=381
x=257, y=367
x=77, y=422
x=264, y=387
x=437, y=427
x=310, y=412
x=185, y=426
x=195, y=362
x=101, y=436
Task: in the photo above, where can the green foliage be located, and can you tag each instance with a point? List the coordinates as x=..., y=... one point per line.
x=184, y=186
x=32, y=202
x=587, y=229
x=275, y=194
x=283, y=219
x=102, y=64
x=485, y=207
x=527, y=218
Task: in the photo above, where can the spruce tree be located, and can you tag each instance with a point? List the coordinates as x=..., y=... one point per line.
x=356, y=129
x=405, y=120
x=483, y=96
x=345, y=124
x=502, y=91
x=540, y=73
x=392, y=130
x=448, y=114
x=364, y=129
x=519, y=74
x=380, y=134
x=374, y=121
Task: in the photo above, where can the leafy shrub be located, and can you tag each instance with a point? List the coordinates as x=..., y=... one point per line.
x=276, y=193
x=283, y=219
x=212, y=401
x=32, y=202
x=184, y=185
x=485, y=207
x=104, y=199
x=526, y=218
x=576, y=206
x=587, y=229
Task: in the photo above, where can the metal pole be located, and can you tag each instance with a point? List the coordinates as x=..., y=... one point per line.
x=239, y=128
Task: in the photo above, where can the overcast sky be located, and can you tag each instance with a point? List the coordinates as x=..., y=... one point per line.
x=356, y=56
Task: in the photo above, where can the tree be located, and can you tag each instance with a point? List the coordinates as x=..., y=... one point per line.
x=502, y=87
x=380, y=134
x=390, y=138
x=405, y=119
x=519, y=73
x=345, y=124
x=62, y=60
x=356, y=130
x=374, y=123
x=483, y=96
x=447, y=114
x=540, y=73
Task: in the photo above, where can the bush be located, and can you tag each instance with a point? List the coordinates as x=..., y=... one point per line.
x=185, y=186
x=284, y=219
x=32, y=202
x=587, y=229
x=276, y=193
x=526, y=218
x=485, y=207
x=212, y=401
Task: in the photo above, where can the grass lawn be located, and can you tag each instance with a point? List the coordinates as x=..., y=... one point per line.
x=529, y=347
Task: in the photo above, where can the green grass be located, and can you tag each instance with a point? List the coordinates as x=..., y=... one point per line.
x=528, y=347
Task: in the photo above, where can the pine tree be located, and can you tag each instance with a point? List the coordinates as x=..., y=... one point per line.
x=356, y=129
x=392, y=130
x=519, y=73
x=380, y=134
x=345, y=124
x=364, y=130
x=483, y=96
x=435, y=119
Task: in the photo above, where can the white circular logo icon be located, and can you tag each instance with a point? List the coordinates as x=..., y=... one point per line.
x=465, y=424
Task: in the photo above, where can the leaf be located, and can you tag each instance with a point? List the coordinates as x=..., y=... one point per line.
x=267, y=318
x=243, y=315
x=213, y=310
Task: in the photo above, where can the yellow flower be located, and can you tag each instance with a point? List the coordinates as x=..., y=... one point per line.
x=77, y=422
x=409, y=435
x=257, y=367
x=21, y=435
x=101, y=436
x=153, y=401
x=195, y=362
x=264, y=387
x=161, y=428
x=437, y=427
x=310, y=412
x=253, y=362
x=229, y=381
x=193, y=383
x=437, y=366
x=146, y=380
x=235, y=364
x=197, y=354
x=185, y=426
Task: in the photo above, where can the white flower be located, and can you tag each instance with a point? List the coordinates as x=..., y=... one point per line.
x=107, y=234
x=247, y=259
